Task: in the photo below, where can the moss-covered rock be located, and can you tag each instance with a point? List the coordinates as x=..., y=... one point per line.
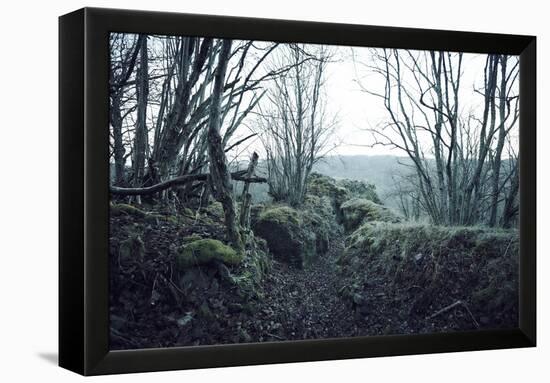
x=205, y=251
x=340, y=191
x=323, y=186
x=357, y=211
x=296, y=236
x=360, y=189
x=281, y=215
x=318, y=216
x=287, y=237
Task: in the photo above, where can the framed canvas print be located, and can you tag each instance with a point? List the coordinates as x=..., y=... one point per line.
x=243, y=191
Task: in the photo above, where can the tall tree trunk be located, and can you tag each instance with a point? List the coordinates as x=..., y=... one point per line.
x=116, y=123
x=511, y=207
x=487, y=130
x=495, y=192
x=220, y=177
x=142, y=92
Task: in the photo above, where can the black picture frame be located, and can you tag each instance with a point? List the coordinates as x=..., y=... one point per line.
x=84, y=191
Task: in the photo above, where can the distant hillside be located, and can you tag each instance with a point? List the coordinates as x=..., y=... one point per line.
x=374, y=169
x=377, y=170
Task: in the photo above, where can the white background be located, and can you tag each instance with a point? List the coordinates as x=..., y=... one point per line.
x=28, y=188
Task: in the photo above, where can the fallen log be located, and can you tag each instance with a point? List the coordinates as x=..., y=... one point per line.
x=237, y=176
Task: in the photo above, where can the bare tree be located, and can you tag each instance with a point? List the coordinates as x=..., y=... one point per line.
x=405, y=193
x=220, y=177
x=124, y=53
x=160, y=115
x=141, y=133
x=293, y=123
x=456, y=155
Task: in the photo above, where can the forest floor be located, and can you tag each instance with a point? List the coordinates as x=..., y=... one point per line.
x=306, y=302
x=294, y=304
x=150, y=308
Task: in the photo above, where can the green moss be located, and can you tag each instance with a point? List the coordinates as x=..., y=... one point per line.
x=125, y=209
x=320, y=206
x=321, y=186
x=360, y=189
x=248, y=277
x=132, y=248
x=281, y=215
x=341, y=194
x=287, y=235
x=412, y=237
x=155, y=219
x=357, y=211
x=204, y=251
x=326, y=187
x=427, y=267
x=215, y=209
x=340, y=191
x=188, y=212
x=192, y=238
x=172, y=219
x=149, y=217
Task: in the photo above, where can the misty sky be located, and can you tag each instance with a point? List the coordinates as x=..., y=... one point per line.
x=358, y=110
x=355, y=109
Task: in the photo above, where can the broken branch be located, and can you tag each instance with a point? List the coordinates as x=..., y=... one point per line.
x=237, y=176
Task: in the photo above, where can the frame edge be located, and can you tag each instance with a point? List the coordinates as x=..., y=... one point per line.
x=93, y=352
x=71, y=218
x=528, y=191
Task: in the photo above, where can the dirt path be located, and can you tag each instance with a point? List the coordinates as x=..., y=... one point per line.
x=305, y=304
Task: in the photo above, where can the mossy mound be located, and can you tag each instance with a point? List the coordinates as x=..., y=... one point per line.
x=126, y=209
x=340, y=191
x=357, y=211
x=131, y=249
x=323, y=186
x=319, y=217
x=215, y=209
x=205, y=251
x=158, y=218
x=411, y=271
x=252, y=270
x=360, y=189
x=150, y=217
x=319, y=205
x=281, y=215
x=288, y=238
x=188, y=212
x=179, y=274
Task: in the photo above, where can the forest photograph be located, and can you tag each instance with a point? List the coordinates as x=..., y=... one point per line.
x=265, y=192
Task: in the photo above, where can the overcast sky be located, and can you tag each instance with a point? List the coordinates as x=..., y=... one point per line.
x=358, y=110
